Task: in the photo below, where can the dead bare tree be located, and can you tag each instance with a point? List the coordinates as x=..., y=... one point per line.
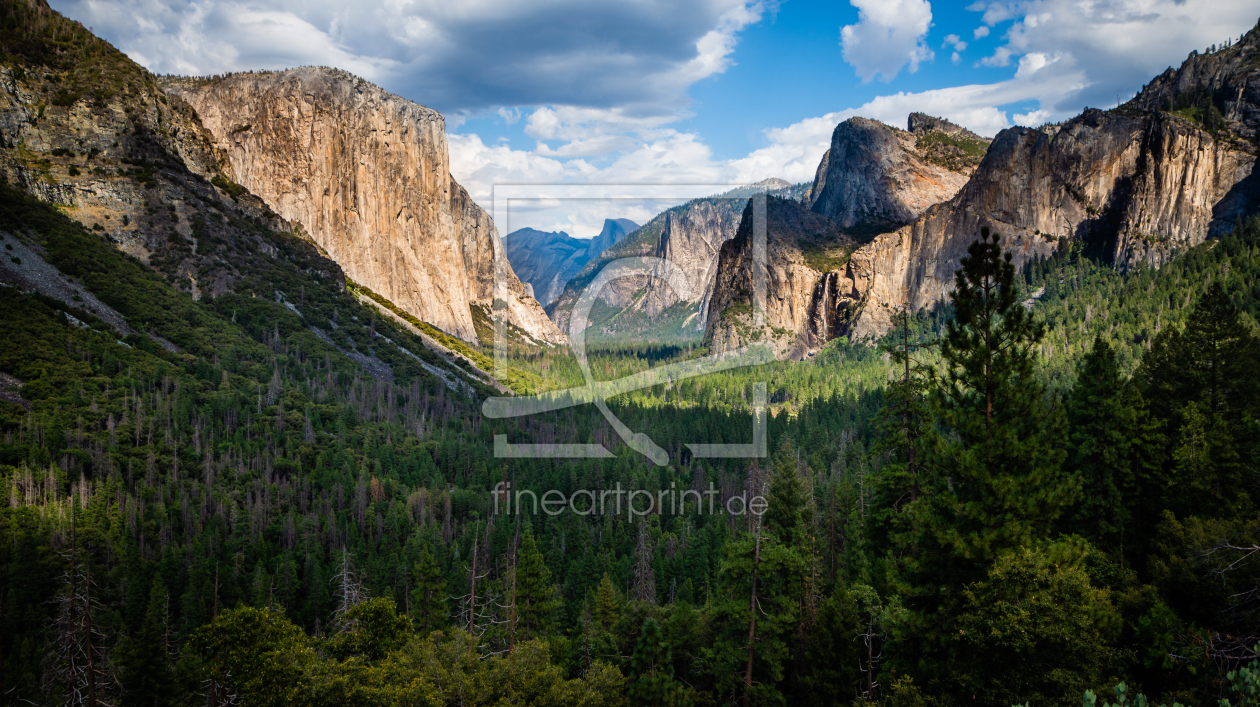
x=753, y=608
x=644, y=572
x=1234, y=644
x=79, y=664
x=481, y=610
x=349, y=589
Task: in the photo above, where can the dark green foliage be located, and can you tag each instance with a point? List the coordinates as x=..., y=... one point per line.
x=234, y=449
x=651, y=677
x=535, y=595
x=373, y=629
x=787, y=499
x=428, y=598
x=761, y=588
x=995, y=456
x=231, y=188
x=1202, y=385
x=147, y=657
x=1110, y=445
x=1032, y=630
x=836, y=649
x=255, y=654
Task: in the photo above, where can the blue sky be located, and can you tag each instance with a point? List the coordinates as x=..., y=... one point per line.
x=682, y=91
x=790, y=65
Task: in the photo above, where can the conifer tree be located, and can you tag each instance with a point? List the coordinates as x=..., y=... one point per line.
x=788, y=502
x=903, y=423
x=998, y=481
x=1107, y=446
x=148, y=672
x=1201, y=386
x=762, y=587
x=652, y=671
x=607, y=606
x=535, y=594
x=994, y=469
x=429, y=606
x=904, y=416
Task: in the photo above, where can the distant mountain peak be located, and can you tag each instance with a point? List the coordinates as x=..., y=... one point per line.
x=547, y=260
x=773, y=184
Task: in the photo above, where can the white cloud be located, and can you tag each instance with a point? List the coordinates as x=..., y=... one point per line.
x=468, y=56
x=1120, y=44
x=793, y=152
x=509, y=116
x=888, y=35
x=600, y=87
x=1001, y=57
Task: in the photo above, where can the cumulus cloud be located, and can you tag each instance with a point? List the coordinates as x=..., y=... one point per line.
x=474, y=55
x=888, y=35
x=600, y=87
x=1121, y=43
x=793, y=152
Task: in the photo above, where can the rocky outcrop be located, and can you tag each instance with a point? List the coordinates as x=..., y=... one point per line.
x=1162, y=173
x=804, y=306
x=689, y=235
x=546, y=261
x=614, y=231
x=1133, y=187
x=366, y=174
x=875, y=177
x=1221, y=88
x=691, y=240
x=96, y=135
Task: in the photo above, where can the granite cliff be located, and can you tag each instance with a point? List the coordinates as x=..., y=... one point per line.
x=85, y=128
x=875, y=177
x=1131, y=186
x=1165, y=171
x=367, y=176
x=803, y=307
x=88, y=129
x=689, y=236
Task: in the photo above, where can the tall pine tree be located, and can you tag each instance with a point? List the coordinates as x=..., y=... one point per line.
x=148, y=671
x=996, y=462
x=652, y=680
x=994, y=478
x=535, y=594
x=428, y=599
x=1203, y=391
x=1109, y=443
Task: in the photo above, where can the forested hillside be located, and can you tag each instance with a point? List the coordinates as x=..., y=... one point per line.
x=268, y=494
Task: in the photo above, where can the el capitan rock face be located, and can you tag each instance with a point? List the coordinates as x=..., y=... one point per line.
x=367, y=175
